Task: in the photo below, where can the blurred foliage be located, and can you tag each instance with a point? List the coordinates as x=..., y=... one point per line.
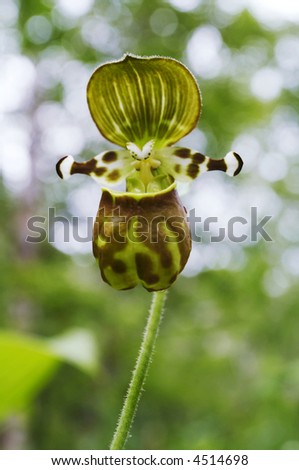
x=28, y=363
x=226, y=370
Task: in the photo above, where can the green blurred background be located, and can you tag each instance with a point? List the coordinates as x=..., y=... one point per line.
x=226, y=369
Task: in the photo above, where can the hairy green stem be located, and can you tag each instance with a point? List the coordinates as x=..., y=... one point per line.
x=139, y=374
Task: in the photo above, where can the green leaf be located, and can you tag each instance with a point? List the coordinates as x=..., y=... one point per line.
x=78, y=347
x=27, y=364
x=138, y=99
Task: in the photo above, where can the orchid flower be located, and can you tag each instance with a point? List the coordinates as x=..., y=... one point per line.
x=144, y=105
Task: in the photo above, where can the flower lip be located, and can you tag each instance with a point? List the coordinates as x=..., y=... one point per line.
x=137, y=99
x=141, y=195
x=141, y=238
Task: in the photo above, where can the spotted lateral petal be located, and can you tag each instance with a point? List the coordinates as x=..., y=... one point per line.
x=139, y=99
x=107, y=167
x=184, y=164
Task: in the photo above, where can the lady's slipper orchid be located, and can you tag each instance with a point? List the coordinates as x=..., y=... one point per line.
x=145, y=105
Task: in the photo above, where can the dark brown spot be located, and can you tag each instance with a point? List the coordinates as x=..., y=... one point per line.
x=109, y=157
x=183, y=153
x=173, y=278
x=216, y=165
x=198, y=158
x=166, y=258
x=84, y=168
x=114, y=175
x=100, y=171
x=240, y=163
x=152, y=279
x=58, y=170
x=118, y=266
x=178, y=168
x=144, y=266
x=192, y=170
x=106, y=202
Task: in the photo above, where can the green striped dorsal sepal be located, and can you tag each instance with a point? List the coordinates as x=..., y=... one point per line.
x=139, y=99
x=184, y=164
x=141, y=238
